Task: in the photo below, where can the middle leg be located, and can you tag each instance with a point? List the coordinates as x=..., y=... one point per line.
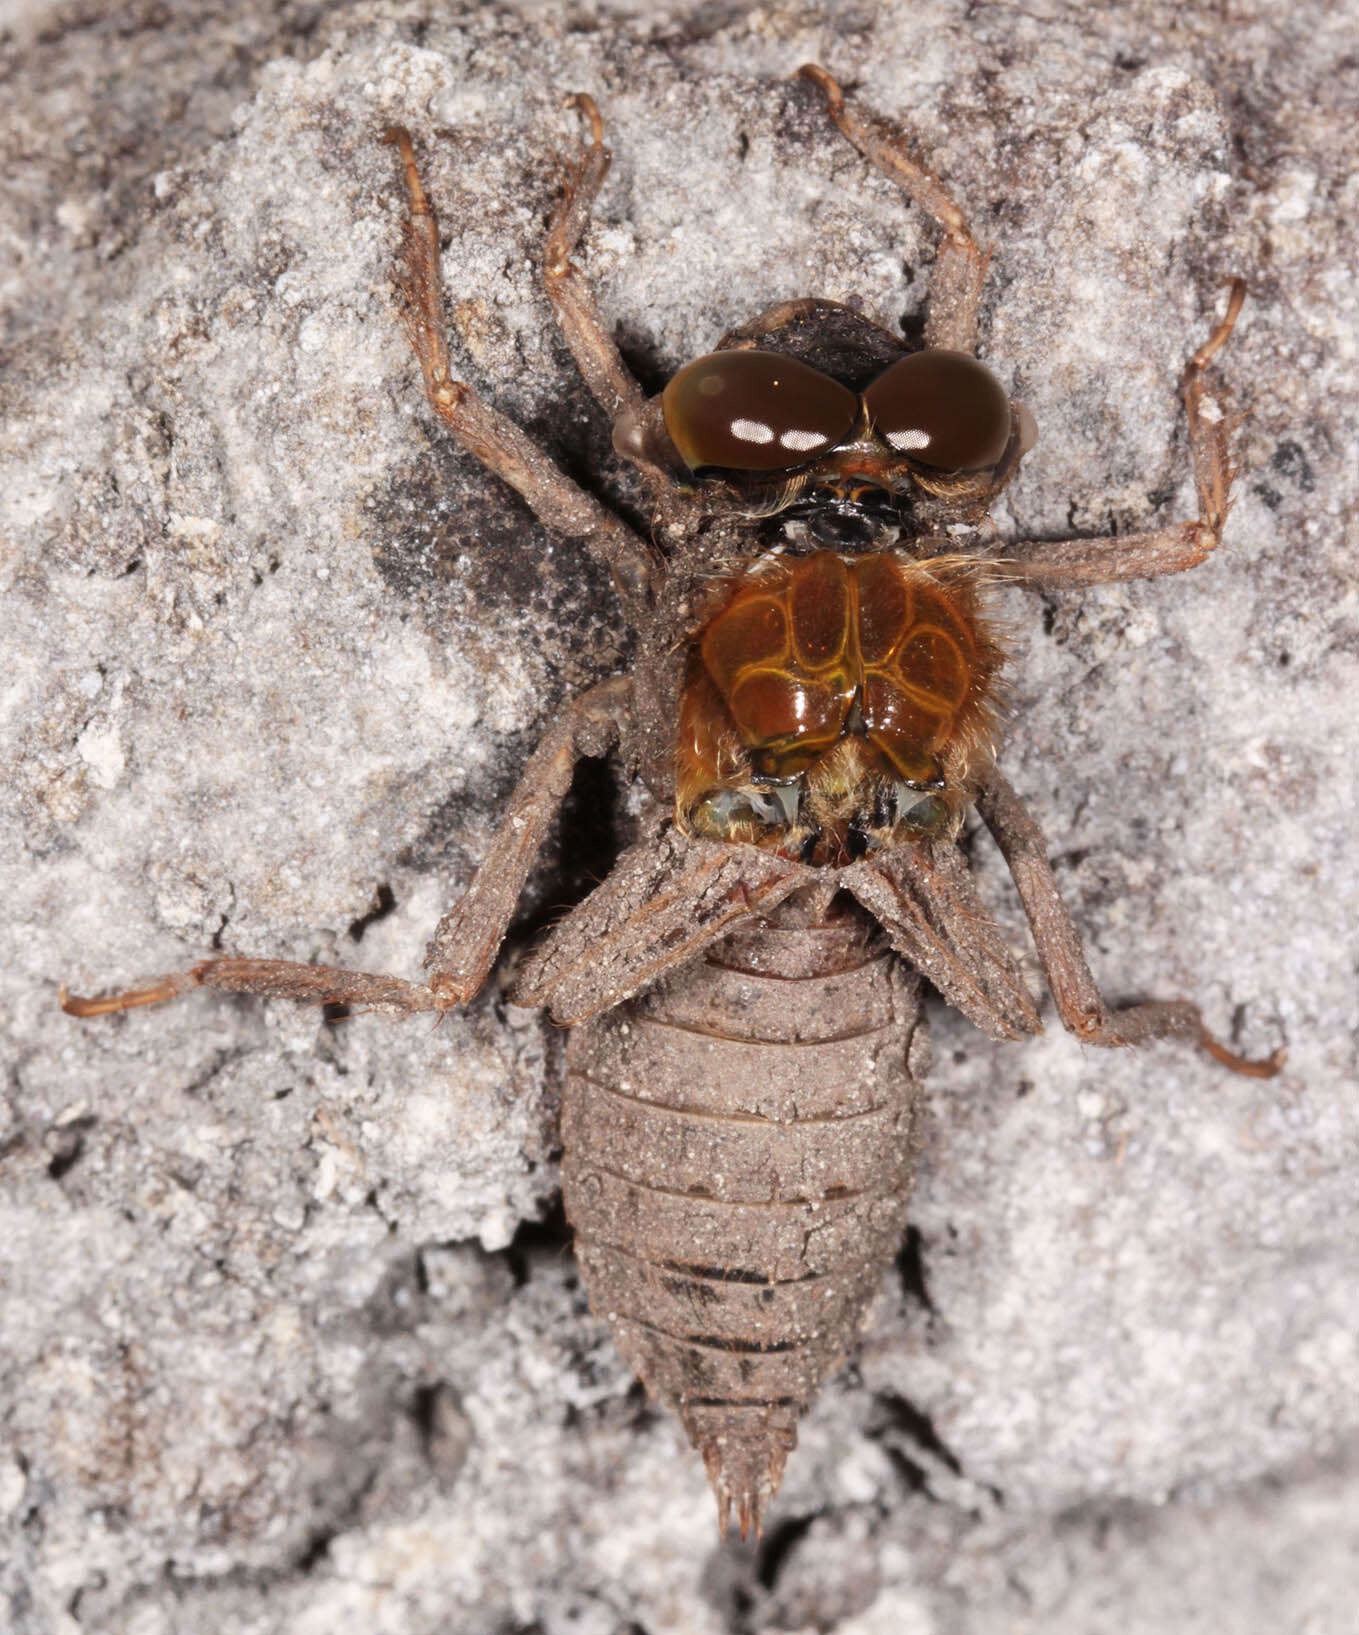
x=492, y=437
x=1070, y=563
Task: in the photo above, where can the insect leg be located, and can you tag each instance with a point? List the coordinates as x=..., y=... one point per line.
x=597, y=358
x=492, y=437
x=270, y=978
x=960, y=270
x=1065, y=564
x=468, y=937
x=466, y=940
x=924, y=898
x=1080, y=1004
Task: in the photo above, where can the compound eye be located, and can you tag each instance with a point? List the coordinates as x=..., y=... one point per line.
x=755, y=411
x=941, y=409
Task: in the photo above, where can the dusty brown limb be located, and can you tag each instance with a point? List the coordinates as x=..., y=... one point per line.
x=468, y=937
x=1068, y=563
x=598, y=359
x=484, y=432
x=1080, y=1004
x=270, y=979
x=960, y=270
x=156, y=993
x=924, y=898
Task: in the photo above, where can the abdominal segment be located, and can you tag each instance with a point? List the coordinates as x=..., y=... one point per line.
x=834, y=706
x=737, y=1154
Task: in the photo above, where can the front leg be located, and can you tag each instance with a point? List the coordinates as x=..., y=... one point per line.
x=960, y=269
x=491, y=436
x=1080, y=1004
x=468, y=937
x=1068, y=563
x=598, y=359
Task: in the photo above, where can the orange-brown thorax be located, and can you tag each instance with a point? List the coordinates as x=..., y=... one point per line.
x=834, y=705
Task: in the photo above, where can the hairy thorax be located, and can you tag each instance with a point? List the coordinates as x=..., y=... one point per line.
x=836, y=705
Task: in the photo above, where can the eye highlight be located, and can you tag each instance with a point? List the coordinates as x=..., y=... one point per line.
x=755, y=411
x=941, y=409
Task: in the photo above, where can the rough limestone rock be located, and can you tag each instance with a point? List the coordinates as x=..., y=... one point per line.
x=289, y=1336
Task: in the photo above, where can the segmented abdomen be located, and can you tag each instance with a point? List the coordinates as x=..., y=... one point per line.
x=737, y=1158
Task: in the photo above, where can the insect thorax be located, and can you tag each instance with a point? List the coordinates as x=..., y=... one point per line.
x=835, y=705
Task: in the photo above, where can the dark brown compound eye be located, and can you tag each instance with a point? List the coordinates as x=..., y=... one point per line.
x=755, y=411
x=941, y=409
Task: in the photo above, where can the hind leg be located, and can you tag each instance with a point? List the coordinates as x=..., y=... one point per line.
x=468, y=937
x=1081, y=1006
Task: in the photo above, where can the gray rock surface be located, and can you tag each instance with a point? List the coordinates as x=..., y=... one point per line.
x=281, y=1349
